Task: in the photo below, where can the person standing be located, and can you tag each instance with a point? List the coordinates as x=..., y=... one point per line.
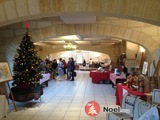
x=90, y=63
x=43, y=66
x=84, y=64
x=54, y=67
x=72, y=69
x=64, y=66
x=60, y=69
x=69, y=69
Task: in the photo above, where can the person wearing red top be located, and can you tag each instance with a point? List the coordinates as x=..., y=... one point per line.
x=64, y=66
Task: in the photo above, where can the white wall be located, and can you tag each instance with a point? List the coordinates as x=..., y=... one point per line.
x=157, y=58
x=157, y=55
x=132, y=50
x=96, y=56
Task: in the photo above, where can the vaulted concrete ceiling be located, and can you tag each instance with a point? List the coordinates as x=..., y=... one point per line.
x=106, y=19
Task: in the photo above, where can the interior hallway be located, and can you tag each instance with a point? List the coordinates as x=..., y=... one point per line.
x=66, y=100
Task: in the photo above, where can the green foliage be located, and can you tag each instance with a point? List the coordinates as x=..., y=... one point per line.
x=26, y=68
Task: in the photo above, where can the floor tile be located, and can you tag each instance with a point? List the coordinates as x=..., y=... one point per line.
x=39, y=118
x=55, y=118
x=66, y=100
x=23, y=117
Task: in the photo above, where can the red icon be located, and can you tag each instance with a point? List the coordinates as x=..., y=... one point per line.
x=92, y=108
x=27, y=25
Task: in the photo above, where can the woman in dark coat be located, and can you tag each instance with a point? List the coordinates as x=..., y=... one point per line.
x=54, y=67
x=72, y=69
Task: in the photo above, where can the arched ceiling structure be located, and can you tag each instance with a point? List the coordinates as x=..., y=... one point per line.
x=13, y=11
x=126, y=20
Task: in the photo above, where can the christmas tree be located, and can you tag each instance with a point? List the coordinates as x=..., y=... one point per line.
x=26, y=68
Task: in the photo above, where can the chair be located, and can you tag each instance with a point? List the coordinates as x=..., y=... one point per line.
x=151, y=114
x=154, y=112
x=156, y=97
x=140, y=108
x=128, y=102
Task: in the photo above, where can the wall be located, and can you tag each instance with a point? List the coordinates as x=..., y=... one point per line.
x=157, y=55
x=132, y=50
x=138, y=32
x=113, y=51
x=96, y=56
x=28, y=9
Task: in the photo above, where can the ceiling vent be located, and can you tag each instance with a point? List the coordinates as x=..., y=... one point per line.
x=78, y=19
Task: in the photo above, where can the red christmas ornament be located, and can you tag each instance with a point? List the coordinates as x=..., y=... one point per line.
x=27, y=25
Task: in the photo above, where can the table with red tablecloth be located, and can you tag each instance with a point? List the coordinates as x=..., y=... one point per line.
x=117, y=79
x=121, y=89
x=97, y=76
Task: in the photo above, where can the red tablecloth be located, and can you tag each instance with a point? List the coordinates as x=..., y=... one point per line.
x=119, y=94
x=97, y=76
x=45, y=78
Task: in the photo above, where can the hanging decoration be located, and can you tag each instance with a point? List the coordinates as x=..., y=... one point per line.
x=69, y=46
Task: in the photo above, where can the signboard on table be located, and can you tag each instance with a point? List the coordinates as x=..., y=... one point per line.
x=124, y=91
x=145, y=67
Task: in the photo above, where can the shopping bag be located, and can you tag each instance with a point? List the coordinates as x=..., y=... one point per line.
x=75, y=74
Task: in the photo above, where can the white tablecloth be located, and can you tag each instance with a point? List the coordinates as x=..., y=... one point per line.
x=114, y=77
x=3, y=106
x=45, y=78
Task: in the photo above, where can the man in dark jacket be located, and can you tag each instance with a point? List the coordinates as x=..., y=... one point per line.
x=72, y=69
x=54, y=67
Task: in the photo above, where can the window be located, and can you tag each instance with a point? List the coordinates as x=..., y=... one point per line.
x=79, y=59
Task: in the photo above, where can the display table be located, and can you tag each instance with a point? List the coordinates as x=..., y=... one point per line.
x=97, y=76
x=121, y=89
x=45, y=79
x=117, y=79
x=3, y=106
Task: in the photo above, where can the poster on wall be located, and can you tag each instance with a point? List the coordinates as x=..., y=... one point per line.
x=145, y=67
x=79, y=58
x=5, y=73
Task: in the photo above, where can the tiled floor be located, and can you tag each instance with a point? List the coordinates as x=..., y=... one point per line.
x=66, y=100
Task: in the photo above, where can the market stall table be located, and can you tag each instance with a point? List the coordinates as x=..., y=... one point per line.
x=97, y=76
x=121, y=89
x=45, y=79
x=117, y=79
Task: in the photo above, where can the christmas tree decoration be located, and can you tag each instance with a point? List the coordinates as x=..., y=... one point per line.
x=27, y=71
x=26, y=64
x=27, y=26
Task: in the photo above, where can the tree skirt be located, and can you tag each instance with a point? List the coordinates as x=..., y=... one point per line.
x=26, y=94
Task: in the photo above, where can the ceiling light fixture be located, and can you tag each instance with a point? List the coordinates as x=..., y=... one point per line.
x=70, y=37
x=69, y=46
